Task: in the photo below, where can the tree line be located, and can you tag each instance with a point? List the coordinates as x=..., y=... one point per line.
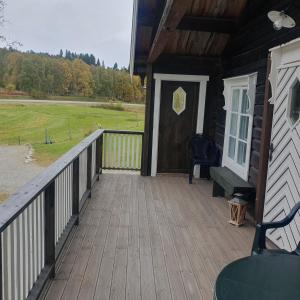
x=66, y=74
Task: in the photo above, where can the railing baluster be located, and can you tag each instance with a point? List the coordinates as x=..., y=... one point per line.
x=38, y=240
x=20, y=230
x=65, y=199
x=128, y=151
x=111, y=152
x=35, y=240
x=5, y=265
x=123, y=151
x=14, y=259
x=31, y=263
x=105, y=150
x=137, y=152
x=50, y=227
x=133, y=138
x=26, y=245
x=114, y=155
x=42, y=229
x=118, y=164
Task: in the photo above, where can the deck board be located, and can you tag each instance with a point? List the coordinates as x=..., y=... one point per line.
x=149, y=238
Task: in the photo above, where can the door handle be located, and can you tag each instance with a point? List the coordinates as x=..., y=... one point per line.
x=271, y=152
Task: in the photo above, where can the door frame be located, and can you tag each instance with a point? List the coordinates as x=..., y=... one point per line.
x=159, y=77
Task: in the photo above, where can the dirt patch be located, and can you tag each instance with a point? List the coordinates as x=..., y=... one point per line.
x=3, y=197
x=16, y=168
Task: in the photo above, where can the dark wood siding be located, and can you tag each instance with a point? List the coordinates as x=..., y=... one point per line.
x=247, y=53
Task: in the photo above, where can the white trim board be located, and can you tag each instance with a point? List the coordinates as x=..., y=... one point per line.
x=159, y=77
x=244, y=82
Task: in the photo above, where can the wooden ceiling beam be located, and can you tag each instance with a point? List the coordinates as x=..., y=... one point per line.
x=174, y=11
x=208, y=24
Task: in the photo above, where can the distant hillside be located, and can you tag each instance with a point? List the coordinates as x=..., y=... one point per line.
x=70, y=74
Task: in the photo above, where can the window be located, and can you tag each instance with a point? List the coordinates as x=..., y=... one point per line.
x=239, y=96
x=294, y=103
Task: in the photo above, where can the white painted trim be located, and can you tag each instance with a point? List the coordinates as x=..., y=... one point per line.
x=288, y=110
x=179, y=77
x=283, y=56
x=133, y=36
x=201, y=107
x=248, y=82
x=159, y=77
x=156, y=115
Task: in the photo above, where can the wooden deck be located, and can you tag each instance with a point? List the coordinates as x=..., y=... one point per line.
x=149, y=238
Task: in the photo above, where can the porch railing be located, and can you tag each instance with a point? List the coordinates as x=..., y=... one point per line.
x=122, y=150
x=36, y=221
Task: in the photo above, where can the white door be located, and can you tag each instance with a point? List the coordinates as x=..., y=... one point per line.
x=283, y=182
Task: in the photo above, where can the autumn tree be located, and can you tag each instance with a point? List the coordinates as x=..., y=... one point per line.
x=42, y=75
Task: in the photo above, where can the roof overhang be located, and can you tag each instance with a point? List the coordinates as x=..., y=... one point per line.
x=189, y=28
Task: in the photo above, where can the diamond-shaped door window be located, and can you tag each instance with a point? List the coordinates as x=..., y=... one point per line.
x=293, y=111
x=179, y=100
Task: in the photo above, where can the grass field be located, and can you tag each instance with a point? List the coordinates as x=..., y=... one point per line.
x=66, y=125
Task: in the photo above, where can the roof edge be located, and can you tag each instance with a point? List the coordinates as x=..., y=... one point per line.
x=133, y=36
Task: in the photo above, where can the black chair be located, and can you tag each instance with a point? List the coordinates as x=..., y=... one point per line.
x=259, y=243
x=205, y=153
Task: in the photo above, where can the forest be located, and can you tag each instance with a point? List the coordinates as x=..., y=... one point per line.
x=67, y=74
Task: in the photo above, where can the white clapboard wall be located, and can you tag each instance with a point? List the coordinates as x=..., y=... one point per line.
x=283, y=182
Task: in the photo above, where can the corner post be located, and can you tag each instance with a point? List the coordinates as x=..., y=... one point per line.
x=264, y=150
x=89, y=168
x=75, y=199
x=147, y=137
x=50, y=227
x=99, y=151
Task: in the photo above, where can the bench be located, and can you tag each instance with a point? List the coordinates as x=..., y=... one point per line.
x=227, y=182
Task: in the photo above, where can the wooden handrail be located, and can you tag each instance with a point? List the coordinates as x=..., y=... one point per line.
x=124, y=132
x=19, y=201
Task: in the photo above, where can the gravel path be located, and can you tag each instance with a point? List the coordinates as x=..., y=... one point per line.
x=16, y=168
x=88, y=103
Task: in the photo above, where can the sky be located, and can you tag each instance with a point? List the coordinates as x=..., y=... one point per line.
x=99, y=27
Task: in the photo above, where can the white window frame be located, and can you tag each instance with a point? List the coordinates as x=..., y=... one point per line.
x=247, y=82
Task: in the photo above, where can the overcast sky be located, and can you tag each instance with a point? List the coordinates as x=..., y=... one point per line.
x=100, y=27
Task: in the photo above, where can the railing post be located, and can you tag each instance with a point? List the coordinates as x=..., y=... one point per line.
x=50, y=227
x=89, y=168
x=75, y=199
x=99, y=151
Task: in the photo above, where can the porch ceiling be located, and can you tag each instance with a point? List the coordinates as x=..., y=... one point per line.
x=149, y=238
x=184, y=27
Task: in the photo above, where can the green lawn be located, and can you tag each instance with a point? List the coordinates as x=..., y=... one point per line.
x=66, y=125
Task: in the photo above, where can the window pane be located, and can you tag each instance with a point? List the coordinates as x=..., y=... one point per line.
x=245, y=102
x=235, y=100
x=231, y=147
x=241, y=155
x=233, y=124
x=294, y=111
x=244, y=123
